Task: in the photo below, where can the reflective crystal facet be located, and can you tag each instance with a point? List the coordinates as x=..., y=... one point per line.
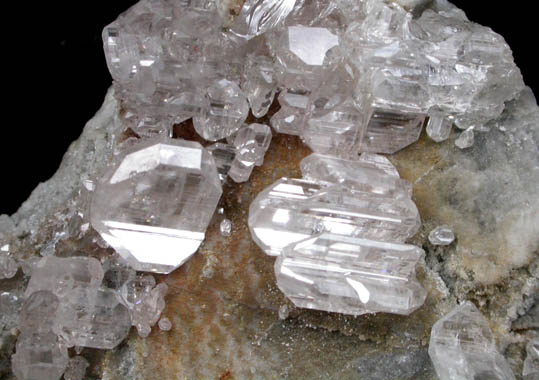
x=251, y=142
x=531, y=364
x=439, y=125
x=154, y=205
x=259, y=16
x=350, y=275
x=223, y=155
x=441, y=235
x=225, y=227
x=228, y=109
x=92, y=317
x=462, y=347
x=465, y=139
x=290, y=118
x=291, y=210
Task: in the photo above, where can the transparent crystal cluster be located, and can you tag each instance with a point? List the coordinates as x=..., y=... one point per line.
x=462, y=347
x=338, y=235
x=154, y=204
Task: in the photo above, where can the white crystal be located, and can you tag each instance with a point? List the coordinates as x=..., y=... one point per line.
x=441, y=235
x=92, y=317
x=251, y=142
x=223, y=155
x=531, y=363
x=225, y=227
x=439, y=125
x=259, y=16
x=154, y=205
x=350, y=275
x=259, y=84
x=61, y=275
x=76, y=368
x=8, y=266
x=462, y=347
x=291, y=210
x=465, y=139
x=164, y=324
x=283, y=312
x=228, y=109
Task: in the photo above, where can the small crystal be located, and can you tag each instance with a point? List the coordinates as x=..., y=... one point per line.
x=465, y=139
x=164, y=324
x=154, y=205
x=291, y=210
x=8, y=267
x=227, y=111
x=350, y=275
x=134, y=291
x=259, y=84
x=462, y=346
x=61, y=275
x=283, y=312
x=441, y=235
x=225, y=227
x=289, y=119
x=439, y=125
x=251, y=144
x=531, y=364
x=223, y=155
x=146, y=313
x=92, y=317
x=76, y=368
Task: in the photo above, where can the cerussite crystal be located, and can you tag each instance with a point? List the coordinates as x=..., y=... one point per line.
x=154, y=205
x=350, y=275
x=441, y=235
x=251, y=142
x=291, y=210
x=462, y=347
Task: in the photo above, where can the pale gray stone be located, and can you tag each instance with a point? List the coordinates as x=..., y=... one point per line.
x=76, y=368
x=462, y=347
x=259, y=83
x=154, y=205
x=8, y=266
x=531, y=364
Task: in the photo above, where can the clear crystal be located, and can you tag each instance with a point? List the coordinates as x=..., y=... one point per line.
x=291, y=210
x=283, y=312
x=465, y=139
x=259, y=84
x=439, y=125
x=380, y=162
x=251, y=142
x=223, y=155
x=462, y=346
x=290, y=118
x=531, y=364
x=350, y=275
x=164, y=324
x=148, y=309
x=259, y=16
x=76, y=368
x=154, y=205
x=61, y=275
x=441, y=235
x=225, y=227
x=8, y=266
x=116, y=273
x=92, y=317
x=38, y=313
x=228, y=109
x=358, y=174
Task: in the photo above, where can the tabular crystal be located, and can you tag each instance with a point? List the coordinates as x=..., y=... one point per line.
x=531, y=364
x=462, y=347
x=350, y=275
x=154, y=205
x=92, y=317
x=441, y=235
x=291, y=210
x=61, y=275
x=360, y=174
x=465, y=139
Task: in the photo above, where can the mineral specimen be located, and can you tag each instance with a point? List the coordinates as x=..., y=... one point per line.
x=465, y=139
x=154, y=205
x=439, y=124
x=441, y=235
x=225, y=227
x=350, y=275
x=223, y=155
x=251, y=144
x=462, y=346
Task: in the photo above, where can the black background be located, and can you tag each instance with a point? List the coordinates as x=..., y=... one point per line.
x=55, y=77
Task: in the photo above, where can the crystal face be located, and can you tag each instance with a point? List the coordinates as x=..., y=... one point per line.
x=259, y=16
x=465, y=139
x=350, y=275
x=154, y=205
x=251, y=142
x=291, y=210
x=463, y=347
x=259, y=84
x=439, y=125
x=441, y=235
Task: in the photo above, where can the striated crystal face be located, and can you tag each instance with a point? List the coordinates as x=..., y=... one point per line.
x=61, y=275
x=154, y=205
x=91, y=317
x=463, y=347
x=76, y=368
x=350, y=275
x=361, y=175
x=291, y=210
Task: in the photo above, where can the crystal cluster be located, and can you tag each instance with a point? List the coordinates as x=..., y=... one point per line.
x=462, y=347
x=338, y=233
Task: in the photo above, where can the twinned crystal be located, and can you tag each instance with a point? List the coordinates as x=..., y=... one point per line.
x=154, y=205
x=462, y=347
x=350, y=275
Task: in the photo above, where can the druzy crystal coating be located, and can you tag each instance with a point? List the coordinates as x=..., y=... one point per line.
x=154, y=205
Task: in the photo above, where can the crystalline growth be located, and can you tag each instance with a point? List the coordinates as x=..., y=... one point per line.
x=259, y=83
x=291, y=210
x=223, y=155
x=8, y=266
x=61, y=275
x=462, y=347
x=439, y=125
x=350, y=275
x=251, y=144
x=259, y=16
x=90, y=317
x=154, y=205
x=290, y=118
x=441, y=235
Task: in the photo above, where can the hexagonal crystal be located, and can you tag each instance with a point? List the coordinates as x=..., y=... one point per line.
x=154, y=205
